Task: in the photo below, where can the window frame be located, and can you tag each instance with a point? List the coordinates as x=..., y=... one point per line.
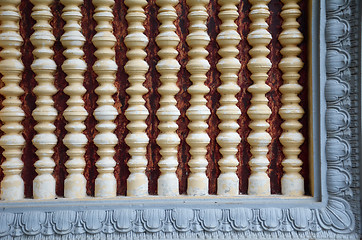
x=330, y=213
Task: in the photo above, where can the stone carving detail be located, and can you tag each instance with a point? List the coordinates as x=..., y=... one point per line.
x=45, y=114
x=31, y=222
x=228, y=112
x=337, y=216
x=331, y=222
x=292, y=181
x=259, y=112
x=181, y=219
x=338, y=119
x=122, y=219
x=239, y=218
x=6, y=221
x=93, y=220
x=63, y=221
x=11, y=67
x=74, y=66
x=198, y=113
x=136, y=113
x=352, y=42
x=105, y=68
x=332, y=219
x=168, y=113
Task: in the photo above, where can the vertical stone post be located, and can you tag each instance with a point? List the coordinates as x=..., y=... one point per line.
x=167, y=40
x=11, y=67
x=198, y=113
x=259, y=112
x=45, y=114
x=74, y=66
x=136, y=113
x=292, y=182
x=105, y=68
x=228, y=112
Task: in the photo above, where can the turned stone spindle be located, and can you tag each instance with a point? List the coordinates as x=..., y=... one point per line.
x=168, y=113
x=11, y=68
x=136, y=113
x=228, y=112
x=45, y=114
x=105, y=67
x=198, y=112
x=74, y=66
x=292, y=181
x=259, y=112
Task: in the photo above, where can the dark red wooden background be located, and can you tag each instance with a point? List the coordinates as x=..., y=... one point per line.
x=152, y=83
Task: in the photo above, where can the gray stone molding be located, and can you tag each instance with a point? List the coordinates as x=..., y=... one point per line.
x=333, y=212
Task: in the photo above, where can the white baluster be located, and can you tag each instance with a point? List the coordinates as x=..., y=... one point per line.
x=105, y=68
x=136, y=113
x=259, y=112
x=198, y=113
x=45, y=114
x=168, y=113
x=11, y=67
x=228, y=112
x=292, y=182
x=74, y=66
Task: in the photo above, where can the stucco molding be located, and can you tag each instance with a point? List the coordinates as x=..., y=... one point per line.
x=335, y=220
x=328, y=217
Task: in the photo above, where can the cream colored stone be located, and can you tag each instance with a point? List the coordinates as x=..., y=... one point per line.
x=259, y=112
x=105, y=67
x=136, y=113
x=74, y=66
x=45, y=114
x=292, y=182
x=168, y=113
x=198, y=112
x=11, y=67
x=228, y=112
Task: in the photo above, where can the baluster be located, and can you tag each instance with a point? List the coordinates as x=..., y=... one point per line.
x=11, y=67
x=292, y=182
x=105, y=68
x=45, y=114
x=136, y=113
x=259, y=112
x=168, y=113
x=228, y=112
x=198, y=112
x=74, y=66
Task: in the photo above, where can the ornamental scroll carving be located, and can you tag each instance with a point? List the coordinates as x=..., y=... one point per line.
x=332, y=218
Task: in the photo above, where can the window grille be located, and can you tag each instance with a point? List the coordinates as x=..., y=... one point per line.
x=135, y=98
x=179, y=119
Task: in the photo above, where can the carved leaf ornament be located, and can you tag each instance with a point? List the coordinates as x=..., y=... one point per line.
x=329, y=216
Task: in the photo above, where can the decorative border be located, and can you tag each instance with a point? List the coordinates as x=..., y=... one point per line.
x=332, y=218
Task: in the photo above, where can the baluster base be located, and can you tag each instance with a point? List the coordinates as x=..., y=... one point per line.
x=228, y=184
x=292, y=185
x=168, y=185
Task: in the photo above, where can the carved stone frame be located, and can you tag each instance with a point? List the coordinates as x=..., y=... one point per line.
x=332, y=213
